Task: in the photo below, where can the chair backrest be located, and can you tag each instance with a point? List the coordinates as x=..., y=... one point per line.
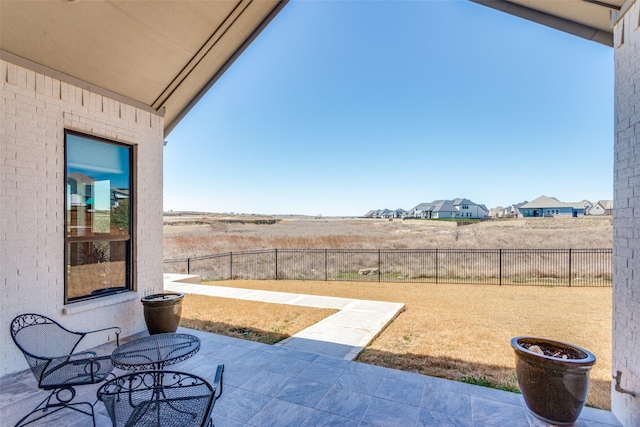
x=159, y=398
x=41, y=338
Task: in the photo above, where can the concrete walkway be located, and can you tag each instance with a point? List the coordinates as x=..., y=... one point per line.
x=344, y=334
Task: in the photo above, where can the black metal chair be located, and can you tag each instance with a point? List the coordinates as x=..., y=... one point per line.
x=49, y=350
x=161, y=399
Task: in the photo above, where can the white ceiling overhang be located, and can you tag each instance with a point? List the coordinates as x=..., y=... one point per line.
x=160, y=55
x=590, y=19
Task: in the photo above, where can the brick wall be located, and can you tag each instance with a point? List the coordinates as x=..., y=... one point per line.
x=35, y=109
x=626, y=221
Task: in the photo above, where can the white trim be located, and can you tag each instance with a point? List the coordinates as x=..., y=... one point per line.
x=616, y=15
x=93, y=304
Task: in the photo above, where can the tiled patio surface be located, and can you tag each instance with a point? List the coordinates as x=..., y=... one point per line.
x=273, y=386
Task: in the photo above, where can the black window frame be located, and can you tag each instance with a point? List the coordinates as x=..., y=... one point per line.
x=129, y=276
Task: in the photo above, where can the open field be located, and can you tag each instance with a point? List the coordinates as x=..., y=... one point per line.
x=460, y=332
x=198, y=235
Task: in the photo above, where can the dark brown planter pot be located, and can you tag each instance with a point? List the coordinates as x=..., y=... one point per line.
x=554, y=389
x=162, y=312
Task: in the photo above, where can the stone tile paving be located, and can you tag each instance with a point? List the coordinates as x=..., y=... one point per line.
x=274, y=386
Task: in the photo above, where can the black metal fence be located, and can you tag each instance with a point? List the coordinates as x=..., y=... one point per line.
x=542, y=267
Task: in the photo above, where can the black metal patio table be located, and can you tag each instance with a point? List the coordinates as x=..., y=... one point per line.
x=155, y=352
x=150, y=390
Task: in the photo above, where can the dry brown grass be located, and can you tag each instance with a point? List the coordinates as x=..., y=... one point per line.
x=460, y=332
x=290, y=233
x=250, y=320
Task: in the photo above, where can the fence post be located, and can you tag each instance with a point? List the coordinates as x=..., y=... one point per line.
x=569, y=267
x=188, y=265
x=379, y=266
x=276, y=263
x=230, y=265
x=500, y=262
x=436, y=265
x=326, y=268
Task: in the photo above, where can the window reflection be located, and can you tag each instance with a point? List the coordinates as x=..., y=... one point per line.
x=98, y=217
x=96, y=268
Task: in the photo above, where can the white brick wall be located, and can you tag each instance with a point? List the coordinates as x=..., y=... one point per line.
x=626, y=221
x=35, y=109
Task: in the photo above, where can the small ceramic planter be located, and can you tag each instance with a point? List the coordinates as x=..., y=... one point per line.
x=554, y=386
x=162, y=312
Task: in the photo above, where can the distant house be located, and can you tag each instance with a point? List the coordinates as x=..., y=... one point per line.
x=385, y=213
x=603, y=207
x=467, y=209
x=514, y=210
x=457, y=208
x=497, y=212
x=370, y=214
x=550, y=207
x=400, y=213
x=437, y=209
x=596, y=210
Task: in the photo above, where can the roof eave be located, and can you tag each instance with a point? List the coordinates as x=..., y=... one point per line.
x=169, y=126
x=558, y=23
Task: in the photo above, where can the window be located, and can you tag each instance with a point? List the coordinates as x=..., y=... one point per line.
x=98, y=212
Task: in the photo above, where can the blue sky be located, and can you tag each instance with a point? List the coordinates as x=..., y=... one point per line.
x=339, y=107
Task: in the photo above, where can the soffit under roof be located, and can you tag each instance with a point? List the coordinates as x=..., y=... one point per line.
x=590, y=19
x=160, y=54
x=166, y=54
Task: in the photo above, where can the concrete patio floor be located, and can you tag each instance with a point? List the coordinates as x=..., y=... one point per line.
x=267, y=385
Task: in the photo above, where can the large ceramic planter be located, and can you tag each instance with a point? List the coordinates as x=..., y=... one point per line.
x=554, y=388
x=162, y=312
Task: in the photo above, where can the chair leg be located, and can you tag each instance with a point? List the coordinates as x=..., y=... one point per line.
x=56, y=401
x=218, y=380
